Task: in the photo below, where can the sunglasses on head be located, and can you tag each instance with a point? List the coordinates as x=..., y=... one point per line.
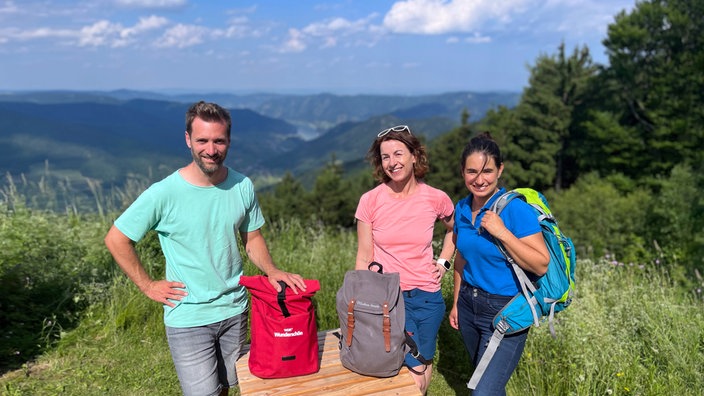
x=397, y=128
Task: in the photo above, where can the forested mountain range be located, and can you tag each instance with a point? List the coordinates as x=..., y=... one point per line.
x=107, y=135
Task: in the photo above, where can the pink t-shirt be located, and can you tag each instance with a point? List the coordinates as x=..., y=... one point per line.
x=402, y=231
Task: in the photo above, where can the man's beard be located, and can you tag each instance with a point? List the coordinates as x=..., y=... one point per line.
x=208, y=169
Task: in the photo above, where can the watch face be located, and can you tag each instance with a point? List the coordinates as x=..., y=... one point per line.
x=445, y=264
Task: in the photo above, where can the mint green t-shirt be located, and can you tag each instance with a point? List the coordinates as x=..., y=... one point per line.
x=197, y=229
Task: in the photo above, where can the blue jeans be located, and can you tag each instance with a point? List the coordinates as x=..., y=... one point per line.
x=205, y=356
x=476, y=310
x=424, y=314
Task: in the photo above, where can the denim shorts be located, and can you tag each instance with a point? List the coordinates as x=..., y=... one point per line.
x=424, y=314
x=476, y=310
x=205, y=356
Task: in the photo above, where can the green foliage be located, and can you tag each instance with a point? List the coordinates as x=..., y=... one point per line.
x=654, y=83
x=632, y=329
x=444, y=155
x=48, y=265
x=677, y=216
x=315, y=252
x=616, y=219
x=71, y=193
x=287, y=200
x=603, y=221
x=610, y=147
x=332, y=200
x=537, y=138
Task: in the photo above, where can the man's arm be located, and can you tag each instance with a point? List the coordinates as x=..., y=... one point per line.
x=122, y=250
x=258, y=252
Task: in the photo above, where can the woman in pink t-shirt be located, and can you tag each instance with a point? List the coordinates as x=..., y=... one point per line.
x=395, y=222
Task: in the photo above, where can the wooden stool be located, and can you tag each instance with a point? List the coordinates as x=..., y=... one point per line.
x=332, y=378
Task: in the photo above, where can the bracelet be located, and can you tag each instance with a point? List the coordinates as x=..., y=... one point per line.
x=501, y=234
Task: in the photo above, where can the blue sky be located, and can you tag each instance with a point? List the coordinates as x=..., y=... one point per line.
x=291, y=46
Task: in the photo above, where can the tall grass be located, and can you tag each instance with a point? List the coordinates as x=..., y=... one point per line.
x=632, y=330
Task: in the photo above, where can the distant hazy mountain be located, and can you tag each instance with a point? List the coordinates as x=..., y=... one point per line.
x=106, y=141
x=105, y=135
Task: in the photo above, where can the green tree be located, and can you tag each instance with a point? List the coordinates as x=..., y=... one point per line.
x=604, y=221
x=547, y=113
x=540, y=137
x=656, y=86
x=676, y=218
x=330, y=198
x=287, y=200
x=444, y=156
x=503, y=123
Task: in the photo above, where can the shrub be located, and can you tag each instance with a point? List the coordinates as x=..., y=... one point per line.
x=604, y=221
x=47, y=262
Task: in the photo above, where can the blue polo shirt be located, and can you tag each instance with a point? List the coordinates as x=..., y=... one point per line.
x=486, y=267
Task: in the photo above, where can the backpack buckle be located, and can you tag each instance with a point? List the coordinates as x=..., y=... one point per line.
x=503, y=326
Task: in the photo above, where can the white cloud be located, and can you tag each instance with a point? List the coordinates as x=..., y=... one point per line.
x=39, y=33
x=151, y=3
x=327, y=33
x=106, y=33
x=572, y=17
x=295, y=42
x=9, y=7
x=477, y=38
x=442, y=16
x=98, y=34
x=144, y=25
x=584, y=17
x=240, y=27
x=182, y=36
x=336, y=25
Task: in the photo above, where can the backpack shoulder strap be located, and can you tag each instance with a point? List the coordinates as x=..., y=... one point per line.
x=503, y=200
x=498, y=335
x=527, y=287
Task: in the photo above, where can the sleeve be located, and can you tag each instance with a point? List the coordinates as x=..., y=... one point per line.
x=459, y=218
x=520, y=218
x=254, y=218
x=445, y=206
x=140, y=217
x=363, y=212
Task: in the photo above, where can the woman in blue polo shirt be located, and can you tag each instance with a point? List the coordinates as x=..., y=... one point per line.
x=484, y=280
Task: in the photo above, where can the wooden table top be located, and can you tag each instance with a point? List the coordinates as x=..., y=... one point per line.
x=332, y=379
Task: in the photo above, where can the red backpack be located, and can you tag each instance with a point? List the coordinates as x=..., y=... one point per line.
x=284, y=334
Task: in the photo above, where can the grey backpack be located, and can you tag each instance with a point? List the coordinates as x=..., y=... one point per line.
x=370, y=307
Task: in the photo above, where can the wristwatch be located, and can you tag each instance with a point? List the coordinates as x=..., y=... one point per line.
x=444, y=263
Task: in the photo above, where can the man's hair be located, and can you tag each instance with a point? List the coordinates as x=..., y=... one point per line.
x=209, y=112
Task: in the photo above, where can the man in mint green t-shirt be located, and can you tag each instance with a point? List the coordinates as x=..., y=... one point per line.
x=197, y=212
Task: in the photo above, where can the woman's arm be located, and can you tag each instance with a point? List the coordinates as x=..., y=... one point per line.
x=530, y=252
x=448, y=246
x=448, y=243
x=365, y=247
x=457, y=274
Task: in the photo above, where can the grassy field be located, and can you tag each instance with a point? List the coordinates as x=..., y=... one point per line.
x=632, y=330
